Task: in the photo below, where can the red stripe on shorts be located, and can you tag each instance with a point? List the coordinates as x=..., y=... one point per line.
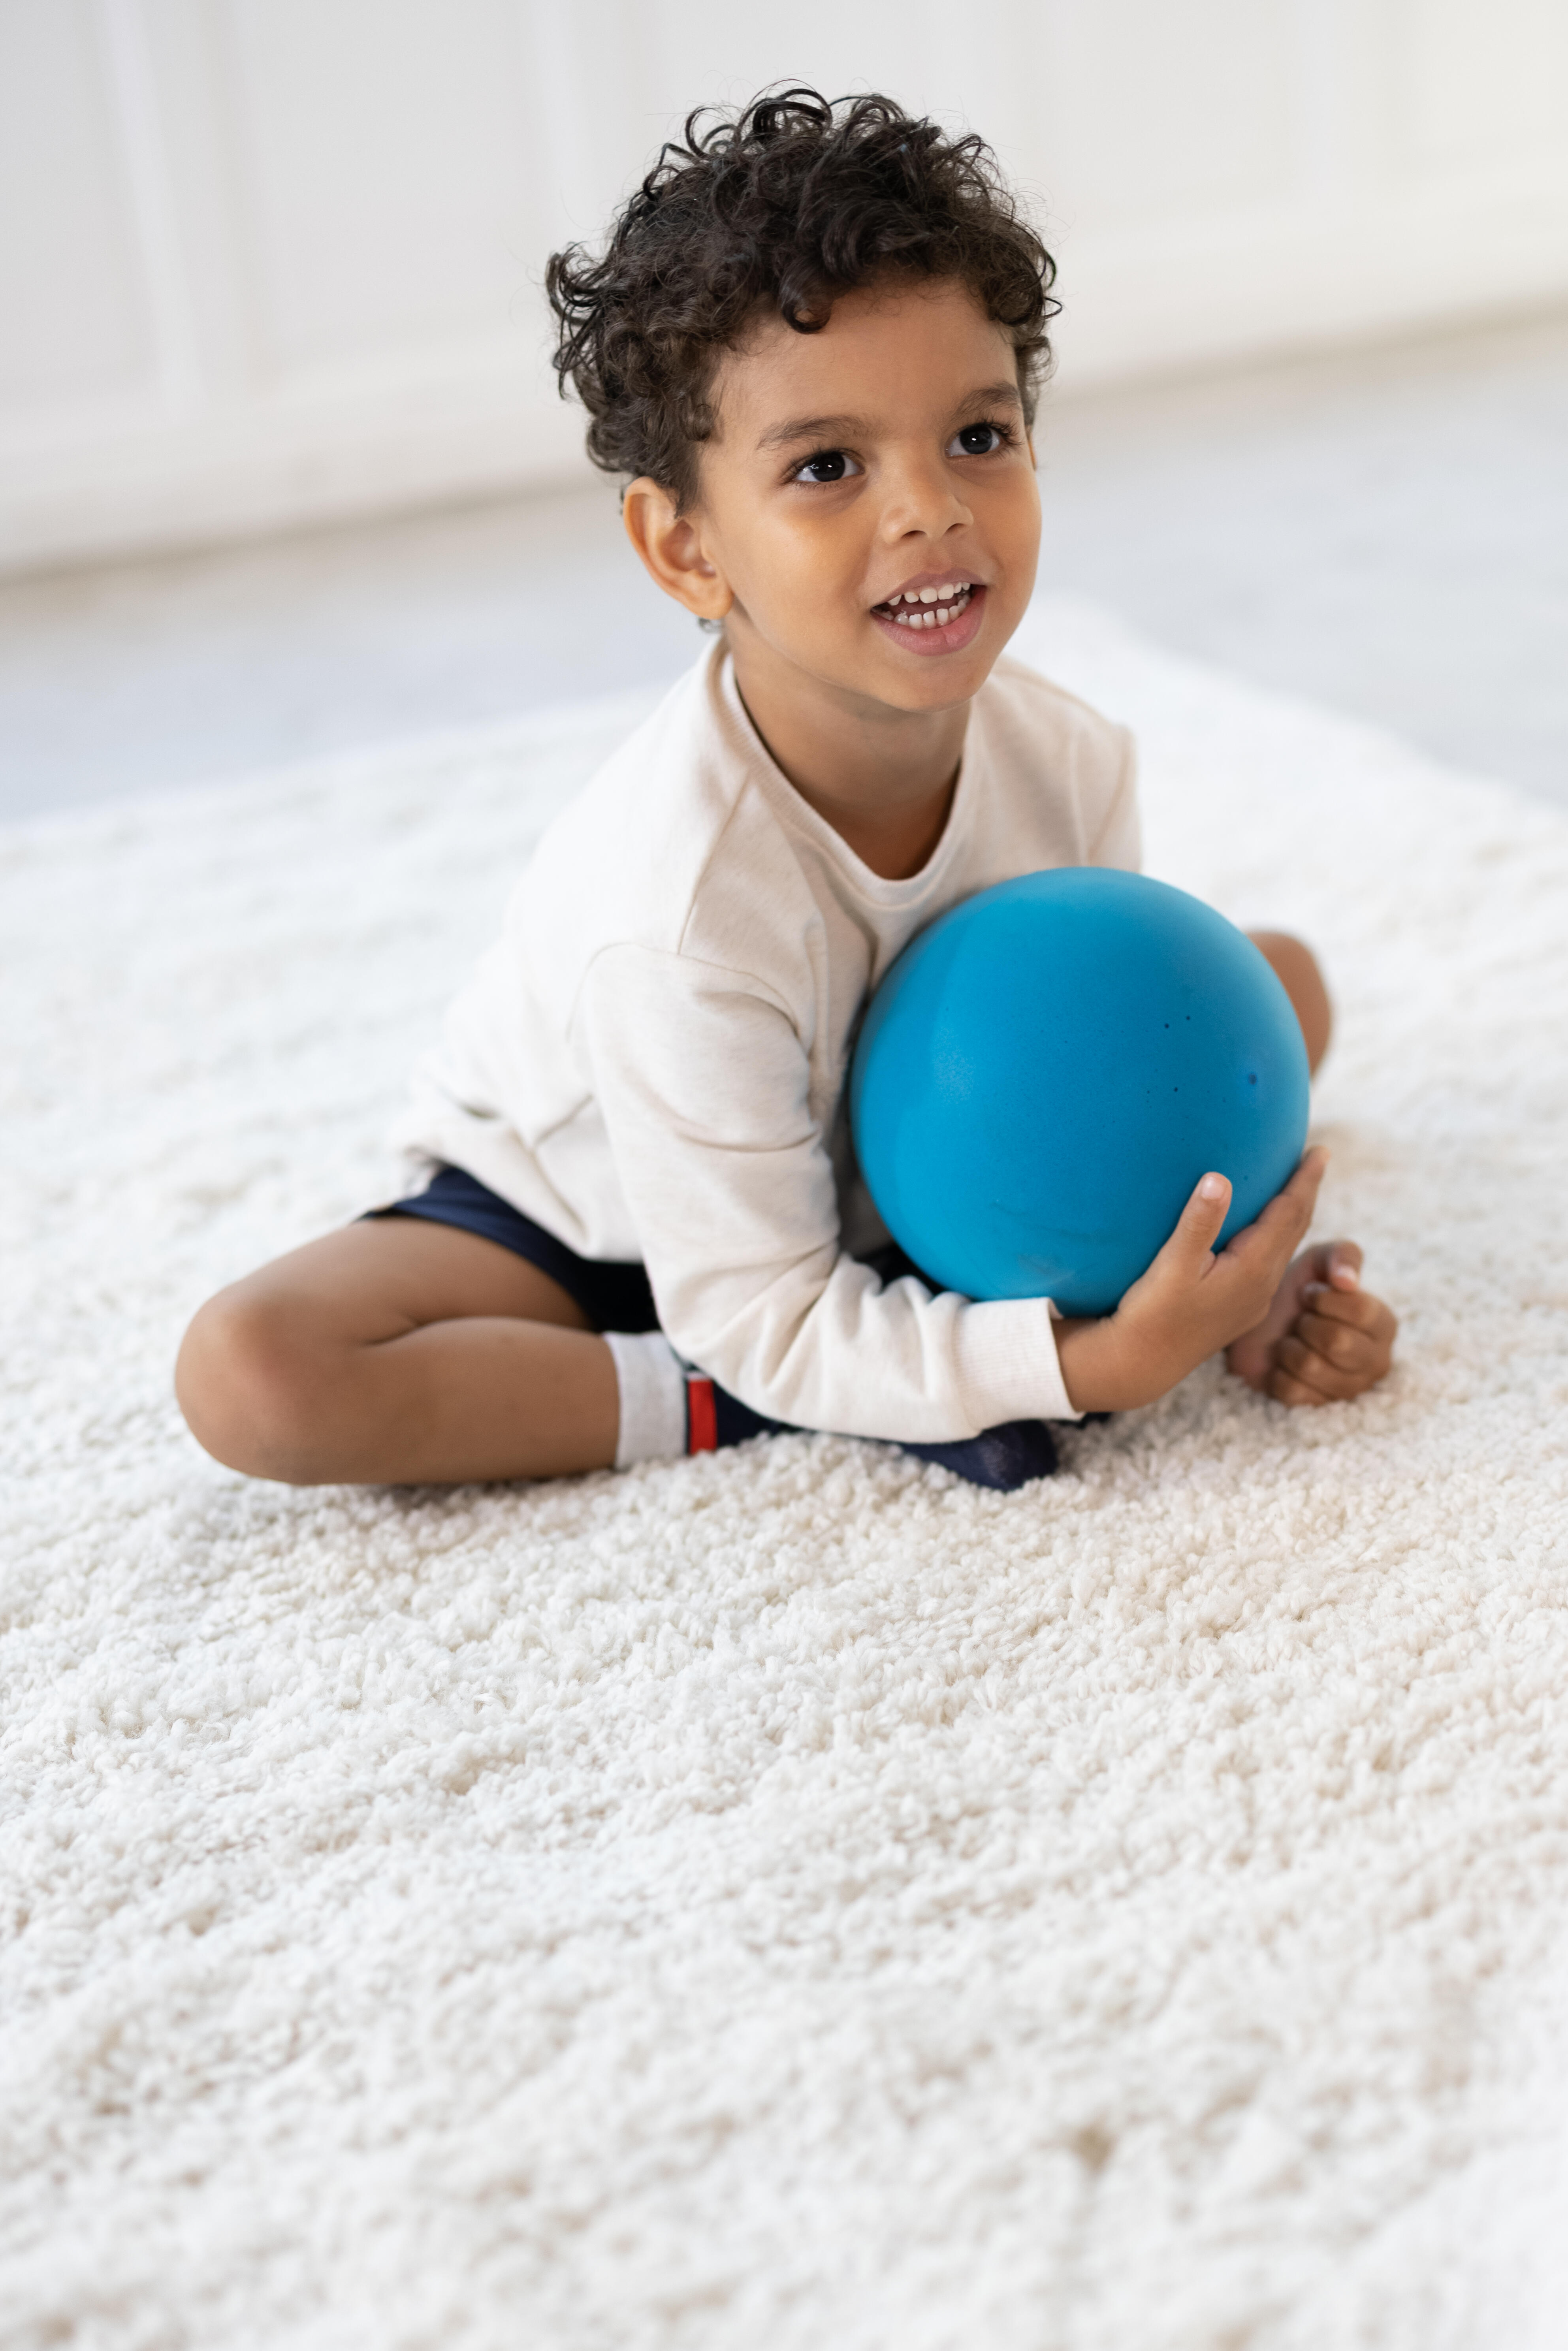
x=701, y=1417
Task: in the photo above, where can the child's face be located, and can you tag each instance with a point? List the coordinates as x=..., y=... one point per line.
x=880, y=459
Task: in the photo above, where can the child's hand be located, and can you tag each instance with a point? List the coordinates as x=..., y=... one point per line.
x=1190, y=1302
x=1324, y=1339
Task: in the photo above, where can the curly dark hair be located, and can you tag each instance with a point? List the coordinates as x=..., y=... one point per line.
x=784, y=205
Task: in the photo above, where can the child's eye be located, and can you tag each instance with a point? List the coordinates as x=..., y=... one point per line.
x=979, y=441
x=827, y=467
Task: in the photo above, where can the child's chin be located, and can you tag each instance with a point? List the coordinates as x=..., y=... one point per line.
x=920, y=682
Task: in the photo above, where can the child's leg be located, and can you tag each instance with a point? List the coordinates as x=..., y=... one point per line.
x=405, y=1351
x=399, y=1351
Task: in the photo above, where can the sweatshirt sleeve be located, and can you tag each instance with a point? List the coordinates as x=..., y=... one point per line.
x=703, y=1083
x=1120, y=839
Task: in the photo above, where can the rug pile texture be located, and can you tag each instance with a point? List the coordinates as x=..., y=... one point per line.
x=789, y=1898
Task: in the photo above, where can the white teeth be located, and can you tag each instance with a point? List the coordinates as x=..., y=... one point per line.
x=928, y=607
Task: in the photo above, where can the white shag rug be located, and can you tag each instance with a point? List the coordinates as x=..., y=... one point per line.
x=787, y=1900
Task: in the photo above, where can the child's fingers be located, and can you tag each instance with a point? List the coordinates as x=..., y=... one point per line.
x=1189, y=1247
x=1275, y=1233
x=1345, y=1263
x=1354, y=1306
x=1285, y=1388
x=1330, y=1383
x=1356, y=1310
x=1348, y=1353
x=1291, y=1209
x=1339, y=1344
x=1337, y=1264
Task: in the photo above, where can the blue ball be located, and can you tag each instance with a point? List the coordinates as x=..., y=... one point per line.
x=1045, y=1073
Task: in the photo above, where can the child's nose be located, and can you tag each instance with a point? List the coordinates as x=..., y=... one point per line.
x=921, y=497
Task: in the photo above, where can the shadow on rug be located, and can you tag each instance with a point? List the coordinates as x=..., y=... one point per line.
x=787, y=1898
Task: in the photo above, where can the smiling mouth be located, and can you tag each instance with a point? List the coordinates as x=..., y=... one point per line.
x=928, y=608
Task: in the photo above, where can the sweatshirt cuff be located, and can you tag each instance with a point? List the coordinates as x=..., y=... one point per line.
x=1008, y=1365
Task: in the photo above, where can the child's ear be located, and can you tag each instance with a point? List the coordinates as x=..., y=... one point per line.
x=671, y=547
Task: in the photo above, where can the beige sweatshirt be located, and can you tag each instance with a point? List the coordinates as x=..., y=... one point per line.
x=651, y=1061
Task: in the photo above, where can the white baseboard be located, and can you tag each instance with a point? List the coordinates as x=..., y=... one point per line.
x=254, y=470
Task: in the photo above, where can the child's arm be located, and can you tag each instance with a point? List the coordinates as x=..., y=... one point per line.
x=718, y=1121
x=1305, y=1332
x=705, y=1091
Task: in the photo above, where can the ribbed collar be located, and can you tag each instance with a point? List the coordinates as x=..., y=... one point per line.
x=800, y=817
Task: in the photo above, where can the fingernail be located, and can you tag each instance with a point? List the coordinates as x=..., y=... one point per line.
x=1212, y=1189
x=1313, y=1289
x=1347, y=1277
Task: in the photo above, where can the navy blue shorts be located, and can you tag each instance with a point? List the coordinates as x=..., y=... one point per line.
x=613, y=1293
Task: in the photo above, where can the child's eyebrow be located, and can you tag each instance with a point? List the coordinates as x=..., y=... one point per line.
x=853, y=428
x=992, y=395
x=812, y=428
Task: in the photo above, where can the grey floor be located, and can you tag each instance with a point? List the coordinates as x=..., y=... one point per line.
x=1385, y=530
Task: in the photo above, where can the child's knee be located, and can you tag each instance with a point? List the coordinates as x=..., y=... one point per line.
x=249, y=1387
x=1296, y=968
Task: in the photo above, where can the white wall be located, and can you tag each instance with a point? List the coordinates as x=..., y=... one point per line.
x=268, y=260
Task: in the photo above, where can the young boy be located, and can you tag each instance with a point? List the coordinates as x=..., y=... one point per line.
x=814, y=343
